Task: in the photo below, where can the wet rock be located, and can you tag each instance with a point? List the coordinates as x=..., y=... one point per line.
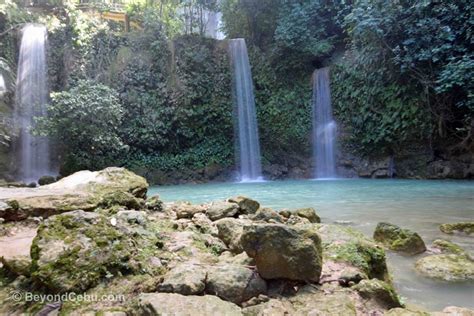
x=379, y=291
x=218, y=210
x=447, y=267
x=234, y=283
x=398, y=311
x=445, y=246
x=465, y=228
x=399, y=239
x=283, y=252
x=176, y=304
x=454, y=311
x=246, y=205
x=186, y=279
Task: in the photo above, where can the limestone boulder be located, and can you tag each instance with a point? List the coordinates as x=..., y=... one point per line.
x=399, y=239
x=246, y=205
x=186, y=279
x=380, y=291
x=84, y=190
x=347, y=251
x=283, y=252
x=463, y=228
x=74, y=251
x=218, y=210
x=447, y=267
x=234, y=283
x=230, y=230
x=176, y=304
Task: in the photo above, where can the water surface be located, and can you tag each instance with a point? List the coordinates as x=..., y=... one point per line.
x=419, y=205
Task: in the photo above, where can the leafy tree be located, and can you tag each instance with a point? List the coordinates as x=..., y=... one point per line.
x=85, y=122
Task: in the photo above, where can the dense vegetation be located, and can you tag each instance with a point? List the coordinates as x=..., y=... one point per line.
x=402, y=75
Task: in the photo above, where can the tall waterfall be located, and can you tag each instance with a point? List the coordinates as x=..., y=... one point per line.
x=31, y=99
x=247, y=143
x=324, y=127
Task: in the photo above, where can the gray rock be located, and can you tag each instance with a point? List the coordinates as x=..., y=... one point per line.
x=176, y=304
x=283, y=252
x=186, y=279
x=234, y=283
x=218, y=210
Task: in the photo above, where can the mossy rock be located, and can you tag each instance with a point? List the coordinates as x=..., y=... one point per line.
x=348, y=246
x=284, y=252
x=447, y=267
x=83, y=190
x=74, y=251
x=380, y=291
x=399, y=239
x=122, y=199
x=446, y=246
x=463, y=227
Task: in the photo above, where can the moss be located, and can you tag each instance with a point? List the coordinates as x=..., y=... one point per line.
x=448, y=267
x=463, y=227
x=92, y=250
x=448, y=247
x=399, y=239
x=380, y=291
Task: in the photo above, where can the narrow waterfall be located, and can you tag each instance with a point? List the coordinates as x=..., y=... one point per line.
x=324, y=127
x=31, y=99
x=247, y=142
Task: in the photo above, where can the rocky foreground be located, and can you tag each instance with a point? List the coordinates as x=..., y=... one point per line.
x=97, y=233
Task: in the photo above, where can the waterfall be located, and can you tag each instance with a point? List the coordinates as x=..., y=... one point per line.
x=31, y=99
x=247, y=143
x=324, y=127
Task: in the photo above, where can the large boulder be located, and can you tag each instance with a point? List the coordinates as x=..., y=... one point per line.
x=445, y=246
x=83, y=190
x=230, y=231
x=349, y=255
x=308, y=213
x=447, y=267
x=380, y=291
x=176, y=304
x=218, y=210
x=184, y=209
x=186, y=279
x=246, y=205
x=234, y=283
x=463, y=227
x=399, y=239
x=283, y=252
x=74, y=251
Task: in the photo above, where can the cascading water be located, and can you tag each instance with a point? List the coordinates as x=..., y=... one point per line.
x=324, y=126
x=247, y=144
x=31, y=99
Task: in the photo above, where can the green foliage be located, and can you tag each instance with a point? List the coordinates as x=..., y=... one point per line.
x=381, y=116
x=425, y=46
x=85, y=121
